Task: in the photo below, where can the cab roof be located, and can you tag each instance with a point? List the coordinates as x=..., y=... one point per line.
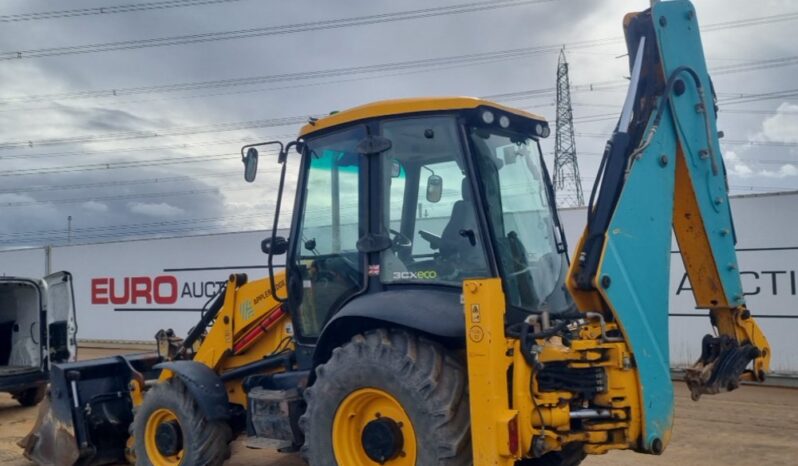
x=403, y=106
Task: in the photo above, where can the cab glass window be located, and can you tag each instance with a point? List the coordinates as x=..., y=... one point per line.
x=432, y=218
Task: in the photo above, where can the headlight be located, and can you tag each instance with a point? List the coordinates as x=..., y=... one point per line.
x=488, y=117
x=504, y=121
x=546, y=132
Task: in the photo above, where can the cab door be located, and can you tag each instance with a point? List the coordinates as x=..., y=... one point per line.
x=60, y=318
x=325, y=265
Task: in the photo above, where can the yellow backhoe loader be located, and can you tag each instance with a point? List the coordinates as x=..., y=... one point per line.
x=426, y=311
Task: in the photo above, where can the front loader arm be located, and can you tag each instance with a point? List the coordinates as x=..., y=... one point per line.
x=662, y=172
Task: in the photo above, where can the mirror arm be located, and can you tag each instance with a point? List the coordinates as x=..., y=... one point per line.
x=248, y=146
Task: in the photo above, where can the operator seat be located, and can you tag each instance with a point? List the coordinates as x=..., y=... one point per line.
x=456, y=248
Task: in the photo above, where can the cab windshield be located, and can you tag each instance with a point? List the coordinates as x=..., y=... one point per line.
x=531, y=257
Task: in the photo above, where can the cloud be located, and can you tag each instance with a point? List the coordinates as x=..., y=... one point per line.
x=14, y=197
x=95, y=206
x=786, y=170
x=161, y=209
x=735, y=166
x=783, y=126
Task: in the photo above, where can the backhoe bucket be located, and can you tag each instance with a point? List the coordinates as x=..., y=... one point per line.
x=85, y=417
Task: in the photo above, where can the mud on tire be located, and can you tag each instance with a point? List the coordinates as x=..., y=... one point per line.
x=205, y=443
x=427, y=381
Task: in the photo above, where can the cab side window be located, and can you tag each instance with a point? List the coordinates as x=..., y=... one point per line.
x=432, y=217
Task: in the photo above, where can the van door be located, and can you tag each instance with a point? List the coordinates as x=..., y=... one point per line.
x=61, y=324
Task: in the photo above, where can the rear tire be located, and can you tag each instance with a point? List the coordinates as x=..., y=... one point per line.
x=30, y=396
x=571, y=455
x=194, y=441
x=405, y=374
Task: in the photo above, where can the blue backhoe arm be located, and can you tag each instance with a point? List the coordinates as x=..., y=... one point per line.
x=663, y=171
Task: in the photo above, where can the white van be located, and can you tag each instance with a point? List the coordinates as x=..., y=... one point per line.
x=37, y=329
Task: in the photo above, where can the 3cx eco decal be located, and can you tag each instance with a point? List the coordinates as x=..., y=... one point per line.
x=420, y=275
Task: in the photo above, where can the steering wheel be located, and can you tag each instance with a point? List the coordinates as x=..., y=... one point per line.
x=400, y=241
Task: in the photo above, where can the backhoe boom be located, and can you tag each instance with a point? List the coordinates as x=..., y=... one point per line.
x=663, y=173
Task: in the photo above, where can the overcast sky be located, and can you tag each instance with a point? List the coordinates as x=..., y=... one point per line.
x=145, y=160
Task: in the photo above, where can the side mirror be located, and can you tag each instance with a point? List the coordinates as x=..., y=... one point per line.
x=278, y=247
x=250, y=164
x=396, y=168
x=434, y=188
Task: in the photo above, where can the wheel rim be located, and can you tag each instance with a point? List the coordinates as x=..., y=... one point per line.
x=163, y=438
x=371, y=427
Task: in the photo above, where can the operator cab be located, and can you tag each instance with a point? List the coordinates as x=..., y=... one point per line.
x=422, y=194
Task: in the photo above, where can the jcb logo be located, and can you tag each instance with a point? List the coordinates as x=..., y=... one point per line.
x=421, y=275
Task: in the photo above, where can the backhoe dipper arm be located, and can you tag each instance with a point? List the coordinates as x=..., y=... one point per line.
x=663, y=171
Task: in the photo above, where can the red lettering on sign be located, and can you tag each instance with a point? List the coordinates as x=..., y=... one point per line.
x=163, y=289
x=170, y=283
x=141, y=287
x=125, y=296
x=99, y=291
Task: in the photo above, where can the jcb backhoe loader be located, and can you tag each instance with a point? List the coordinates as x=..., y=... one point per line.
x=428, y=314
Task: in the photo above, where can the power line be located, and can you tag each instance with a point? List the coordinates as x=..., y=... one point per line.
x=108, y=10
x=117, y=183
x=289, y=121
x=423, y=64
x=723, y=141
x=739, y=23
x=173, y=131
x=118, y=165
x=184, y=145
x=142, y=233
x=292, y=77
x=125, y=227
x=755, y=65
x=271, y=30
x=735, y=99
x=334, y=24
x=5, y=108
x=123, y=197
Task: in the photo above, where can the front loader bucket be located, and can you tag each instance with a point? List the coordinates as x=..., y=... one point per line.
x=52, y=440
x=85, y=417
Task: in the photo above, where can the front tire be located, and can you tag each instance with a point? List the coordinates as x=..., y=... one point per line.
x=169, y=430
x=388, y=397
x=30, y=396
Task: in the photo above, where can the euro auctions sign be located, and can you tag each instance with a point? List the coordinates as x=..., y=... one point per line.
x=129, y=290
x=145, y=290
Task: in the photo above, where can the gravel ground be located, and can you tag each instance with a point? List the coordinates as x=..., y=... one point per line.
x=752, y=426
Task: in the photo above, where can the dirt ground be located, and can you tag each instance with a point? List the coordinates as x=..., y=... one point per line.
x=752, y=426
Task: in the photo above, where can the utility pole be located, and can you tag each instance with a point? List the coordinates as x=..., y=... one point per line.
x=69, y=229
x=567, y=182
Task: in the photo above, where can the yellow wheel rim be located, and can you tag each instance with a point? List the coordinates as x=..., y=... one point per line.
x=357, y=414
x=157, y=419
